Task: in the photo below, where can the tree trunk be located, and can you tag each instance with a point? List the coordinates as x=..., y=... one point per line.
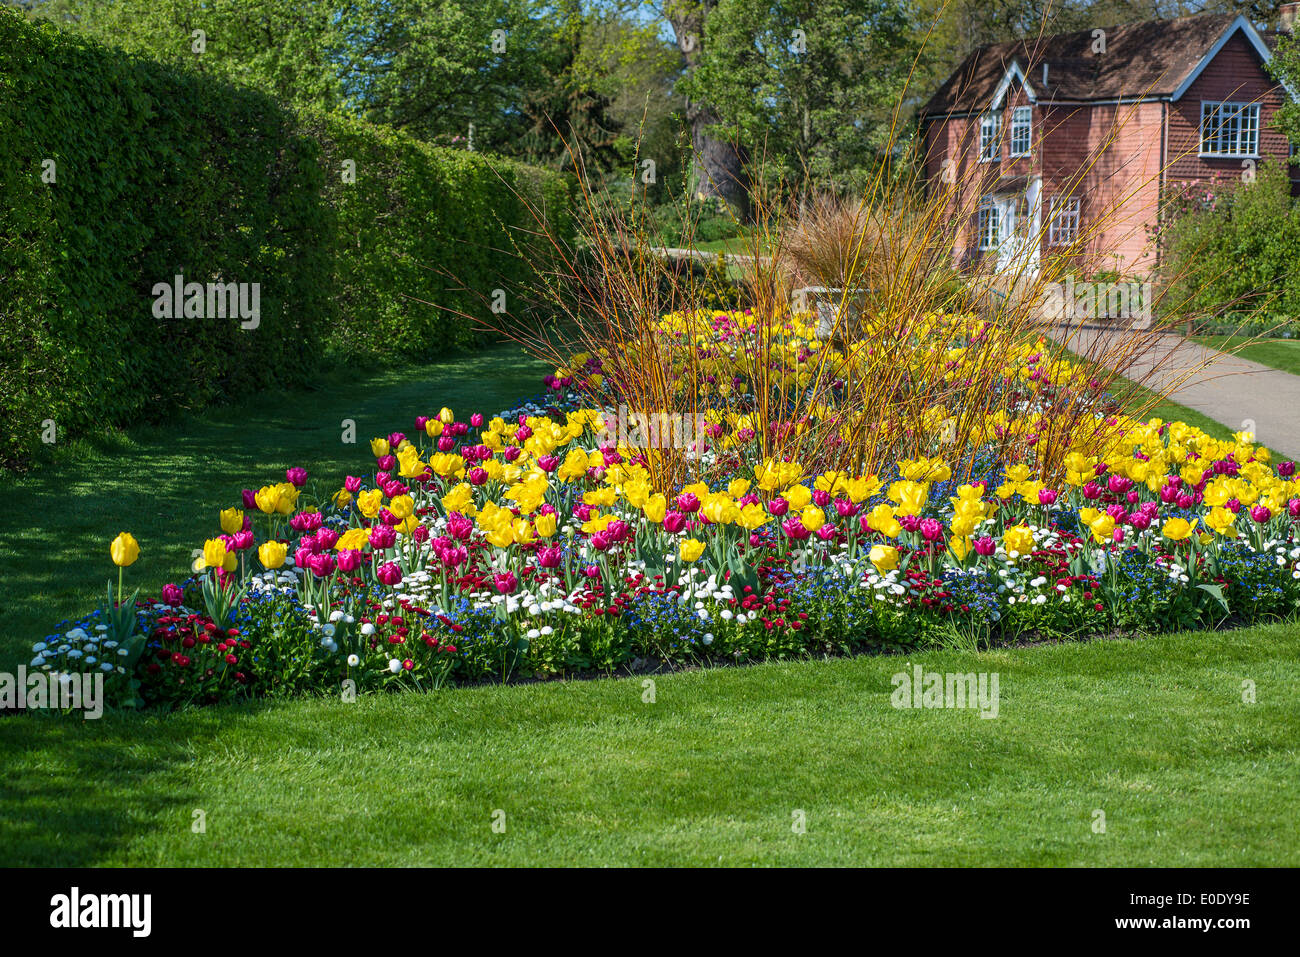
x=717, y=165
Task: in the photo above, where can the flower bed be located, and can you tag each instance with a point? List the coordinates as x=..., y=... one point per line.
x=531, y=544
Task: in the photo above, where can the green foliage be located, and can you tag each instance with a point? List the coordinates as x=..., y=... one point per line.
x=159, y=171
x=156, y=172
x=809, y=87
x=425, y=235
x=1234, y=254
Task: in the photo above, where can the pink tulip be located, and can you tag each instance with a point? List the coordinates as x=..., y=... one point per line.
x=795, y=529
x=505, y=582
x=389, y=573
x=297, y=476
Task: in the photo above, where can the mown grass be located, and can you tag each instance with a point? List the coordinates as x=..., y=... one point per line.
x=165, y=485
x=1152, y=733
x=1283, y=354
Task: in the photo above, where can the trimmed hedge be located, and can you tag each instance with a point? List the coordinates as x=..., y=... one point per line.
x=159, y=172
x=425, y=235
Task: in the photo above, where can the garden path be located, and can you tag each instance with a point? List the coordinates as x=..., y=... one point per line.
x=1243, y=395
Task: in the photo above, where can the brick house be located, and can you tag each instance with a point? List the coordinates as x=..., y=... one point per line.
x=1073, y=139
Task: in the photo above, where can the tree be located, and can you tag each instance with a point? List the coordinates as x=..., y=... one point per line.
x=814, y=85
x=718, y=163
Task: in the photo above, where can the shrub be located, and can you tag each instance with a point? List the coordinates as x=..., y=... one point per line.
x=1232, y=253
x=155, y=173
x=159, y=172
x=424, y=235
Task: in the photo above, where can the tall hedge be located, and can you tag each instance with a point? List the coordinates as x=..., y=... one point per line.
x=155, y=173
x=425, y=236
x=159, y=172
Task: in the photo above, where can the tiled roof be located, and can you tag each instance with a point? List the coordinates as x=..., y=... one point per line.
x=1142, y=59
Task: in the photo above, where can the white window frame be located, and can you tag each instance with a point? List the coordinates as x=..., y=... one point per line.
x=990, y=141
x=1240, y=132
x=1063, y=220
x=1022, y=120
x=989, y=218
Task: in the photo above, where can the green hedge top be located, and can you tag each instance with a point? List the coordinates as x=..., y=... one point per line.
x=119, y=174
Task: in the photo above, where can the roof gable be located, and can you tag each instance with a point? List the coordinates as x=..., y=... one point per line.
x=1152, y=59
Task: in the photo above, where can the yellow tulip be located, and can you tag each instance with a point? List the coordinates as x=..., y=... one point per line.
x=753, y=516
x=433, y=428
x=1222, y=521
x=1018, y=539
x=379, y=447
x=353, y=539
x=214, y=553
x=446, y=416
x=881, y=519
x=402, y=507
x=1178, y=529
x=124, y=550
x=369, y=502
x=271, y=554
x=232, y=520
x=812, y=518
x=884, y=557
x=798, y=496
x=690, y=550
x=655, y=508
x=268, y=499
x=545, y=525
x=1103, y=528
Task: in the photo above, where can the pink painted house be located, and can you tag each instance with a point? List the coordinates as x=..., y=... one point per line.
x=1072, y=139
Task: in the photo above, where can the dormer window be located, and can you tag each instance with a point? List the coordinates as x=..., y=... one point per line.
x=1229, y=129
x=1021, y=119
x=989, y=145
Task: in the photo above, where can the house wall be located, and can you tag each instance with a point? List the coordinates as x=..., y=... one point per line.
x=1115, y=157
x=957, y=138
x=1109, y=156
x=1235, y=74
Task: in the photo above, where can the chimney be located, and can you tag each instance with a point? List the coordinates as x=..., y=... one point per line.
x=1286, y=17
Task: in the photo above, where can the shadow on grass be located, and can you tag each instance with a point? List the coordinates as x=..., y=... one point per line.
x=166, y=485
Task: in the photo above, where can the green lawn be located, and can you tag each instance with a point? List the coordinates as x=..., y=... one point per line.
x=166, y=485
x=1154, y=733
x=1281, y=354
